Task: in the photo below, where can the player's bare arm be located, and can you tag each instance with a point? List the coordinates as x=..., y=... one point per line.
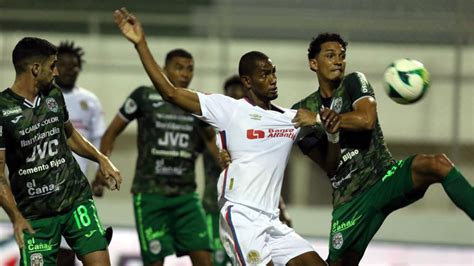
x=131, y=28
x=84, y=148
x=331, y=122
x=305, y=117
x=107, y=142
x=7, y=201
x=363, y=117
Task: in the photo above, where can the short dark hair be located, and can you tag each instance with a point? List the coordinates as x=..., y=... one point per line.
x=248, y=62
x=233, y=80
x=177, y=53
x=67, y=47
x=29, y=49
x=315, y=45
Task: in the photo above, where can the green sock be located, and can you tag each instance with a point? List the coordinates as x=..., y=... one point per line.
x=460, y=191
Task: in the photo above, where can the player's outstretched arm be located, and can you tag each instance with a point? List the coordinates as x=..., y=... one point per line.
x=7, y=202
x=84, y=148
x=131, y=29
x=107, y=142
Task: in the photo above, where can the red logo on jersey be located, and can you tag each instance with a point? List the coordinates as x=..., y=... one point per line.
x=255, y=134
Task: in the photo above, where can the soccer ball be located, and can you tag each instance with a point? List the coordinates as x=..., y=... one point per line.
x=406, y=81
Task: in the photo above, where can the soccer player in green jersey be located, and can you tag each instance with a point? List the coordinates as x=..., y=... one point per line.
x=168, y=214
x=368, y=184
x=48, y=195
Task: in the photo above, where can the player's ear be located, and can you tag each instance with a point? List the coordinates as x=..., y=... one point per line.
x=35, y=69
x=313, y=64
x=246, y=81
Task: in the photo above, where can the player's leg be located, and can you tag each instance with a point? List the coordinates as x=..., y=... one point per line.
x=152, y=220
x=42, y=247
x=191, y=233
x=437, y=168
x=85, y=234
x=219, y=257
x=243, y=235
x=287, y=247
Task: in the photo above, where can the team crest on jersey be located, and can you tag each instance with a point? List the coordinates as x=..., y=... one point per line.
x=36, y=259
x=253, y=257
x=155, y=247
x=84, y=105
x=130, y=106
x=52, y=104
x=337, y=240
x=336, y=105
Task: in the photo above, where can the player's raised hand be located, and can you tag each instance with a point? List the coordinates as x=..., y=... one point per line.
x=110, y=173
x=330, y=120
x=129, y=25
x=305, y=117
x=19, y=226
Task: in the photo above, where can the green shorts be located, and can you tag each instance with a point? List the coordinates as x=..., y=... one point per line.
x=80, y=227
x=168, y=225
x=355, y=223
x=219, y=257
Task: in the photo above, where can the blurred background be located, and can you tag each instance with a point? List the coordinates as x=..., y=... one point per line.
x=439, y=33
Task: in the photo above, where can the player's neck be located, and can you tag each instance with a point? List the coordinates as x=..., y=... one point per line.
x=26, y=88
x=327, y=87
x=266, y=105
x=65, y=88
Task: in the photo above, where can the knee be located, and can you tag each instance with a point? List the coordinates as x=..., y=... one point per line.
x=435, y=165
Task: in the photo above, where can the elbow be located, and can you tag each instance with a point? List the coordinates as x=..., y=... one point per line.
x=369, y=124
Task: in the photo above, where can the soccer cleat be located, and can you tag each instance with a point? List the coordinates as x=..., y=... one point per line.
x=108, y=234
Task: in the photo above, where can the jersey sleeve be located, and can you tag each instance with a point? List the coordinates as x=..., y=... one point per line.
x=358, y=87
x=130, y=109
x=310, y=137
x=217, y=109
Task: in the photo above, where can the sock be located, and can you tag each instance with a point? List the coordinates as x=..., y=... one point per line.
x=459, y=191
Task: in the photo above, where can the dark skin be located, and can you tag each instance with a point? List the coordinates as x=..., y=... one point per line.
x=261, y=84
x=329, y=66
x=68, y=71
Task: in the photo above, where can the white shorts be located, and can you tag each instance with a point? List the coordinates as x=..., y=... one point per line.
x=253, y=237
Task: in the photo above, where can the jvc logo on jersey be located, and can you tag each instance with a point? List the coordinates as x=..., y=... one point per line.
x=51, y=147
x=174, y=139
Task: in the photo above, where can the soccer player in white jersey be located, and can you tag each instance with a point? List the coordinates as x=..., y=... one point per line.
x=85, y=109
x=259, y=136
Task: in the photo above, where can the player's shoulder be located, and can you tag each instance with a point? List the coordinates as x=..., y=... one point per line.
x=356, y=76
x=86, y=93
x=306, y=100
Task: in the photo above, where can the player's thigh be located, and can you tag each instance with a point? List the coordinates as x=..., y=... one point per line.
x=42, y=247
x=289, y=248
x=219, y=256
x=153, y=224
x=396, y=188
x=243, y=234
x=83, y=230
x=353, y=226
x=190, y=226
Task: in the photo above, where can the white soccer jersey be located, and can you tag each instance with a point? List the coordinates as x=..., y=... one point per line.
x=85, y=113
x=259, y=142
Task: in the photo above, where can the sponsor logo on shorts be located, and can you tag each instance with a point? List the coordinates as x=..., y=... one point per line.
x=155, y=246
x=202, y=234
x=88, y=235
x=337, y=240
x=341, y=226
x=253, y=257
x=36, y=259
